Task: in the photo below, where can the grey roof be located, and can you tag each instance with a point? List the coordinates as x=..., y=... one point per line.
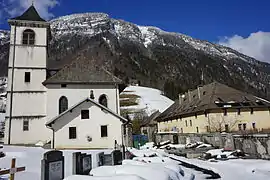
x=90, y=101
x=151, y=119
x=30, y=14
x=212, y=96
x=82, y=71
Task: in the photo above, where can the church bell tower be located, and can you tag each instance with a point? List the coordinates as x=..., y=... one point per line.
x=26, y=99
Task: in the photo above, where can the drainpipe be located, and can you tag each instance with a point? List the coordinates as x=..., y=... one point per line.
x=116, y=93
x=53, y=139
x=11, y=88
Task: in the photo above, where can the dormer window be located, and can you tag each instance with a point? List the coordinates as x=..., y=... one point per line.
x=28, y=37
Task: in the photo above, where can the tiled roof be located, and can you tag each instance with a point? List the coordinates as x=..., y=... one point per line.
x=30, y=14
x=82, y=71
x=211, y=96
x=150, y=119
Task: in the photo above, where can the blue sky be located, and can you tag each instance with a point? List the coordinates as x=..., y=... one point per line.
x=224, y=21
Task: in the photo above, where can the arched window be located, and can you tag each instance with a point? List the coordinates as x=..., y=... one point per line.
x=63, y=104
x=103, y=100
x=28, y=37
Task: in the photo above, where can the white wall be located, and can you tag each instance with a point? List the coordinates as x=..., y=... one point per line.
x=37, y=76
x=36, y=131
x=76, y=93
x=28, y=59
x=28, y=56
x=87, y=127
x=27, y=104
x=41, y=35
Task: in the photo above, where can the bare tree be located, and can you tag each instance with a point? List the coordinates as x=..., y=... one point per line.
x=220, y=123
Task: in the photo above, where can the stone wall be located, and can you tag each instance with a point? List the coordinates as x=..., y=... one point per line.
x=256, y=145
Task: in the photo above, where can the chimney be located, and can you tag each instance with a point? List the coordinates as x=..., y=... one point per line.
x=199, y=92
x=181, y=97
x=189, y=96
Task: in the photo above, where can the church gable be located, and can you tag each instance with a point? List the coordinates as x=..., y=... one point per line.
x=90, y=102
x=82, y=71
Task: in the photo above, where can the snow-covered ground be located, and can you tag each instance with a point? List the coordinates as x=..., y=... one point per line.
x=141, y=167
x=31, y=157
x=150, y=99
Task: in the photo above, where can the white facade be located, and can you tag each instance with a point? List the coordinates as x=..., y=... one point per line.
x=88, y=131
x=76, y=93
x=29, y=98
x=34, y=104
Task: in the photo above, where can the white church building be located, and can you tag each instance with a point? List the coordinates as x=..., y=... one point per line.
x=77, y=107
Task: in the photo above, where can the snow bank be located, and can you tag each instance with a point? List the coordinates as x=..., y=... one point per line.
x=116, y=177
x=150, y=99
x=145, y=172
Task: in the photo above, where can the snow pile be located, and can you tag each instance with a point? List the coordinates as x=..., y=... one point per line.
x=222, y=154
x=150, y=99
x=116, y=177
x=145, y=172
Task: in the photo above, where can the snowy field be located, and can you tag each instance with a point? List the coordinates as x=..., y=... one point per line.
x=150, y=99
x=141, y=167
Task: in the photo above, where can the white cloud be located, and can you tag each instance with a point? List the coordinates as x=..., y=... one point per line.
x=17, y=7
x=256, y=45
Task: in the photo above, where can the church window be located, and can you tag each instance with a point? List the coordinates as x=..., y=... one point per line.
x=63, y=104
x=84, y=114
x=27, y=77
x=104, y=131
x=103, y=100
x=63, y=85
x=28, y=37
x=72, y=133
x=25, y=125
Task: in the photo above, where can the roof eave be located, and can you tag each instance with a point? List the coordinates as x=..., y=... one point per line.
x=16, y=22
x=47, y=83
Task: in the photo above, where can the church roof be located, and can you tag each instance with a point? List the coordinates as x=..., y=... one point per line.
x=89, y=100
x=209, y=97
x=83, y=71
x=30, y=14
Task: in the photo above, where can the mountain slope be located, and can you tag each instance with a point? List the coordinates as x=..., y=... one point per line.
x=172, y=62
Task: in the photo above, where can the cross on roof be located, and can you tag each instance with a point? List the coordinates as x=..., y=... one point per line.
x=13, y=169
